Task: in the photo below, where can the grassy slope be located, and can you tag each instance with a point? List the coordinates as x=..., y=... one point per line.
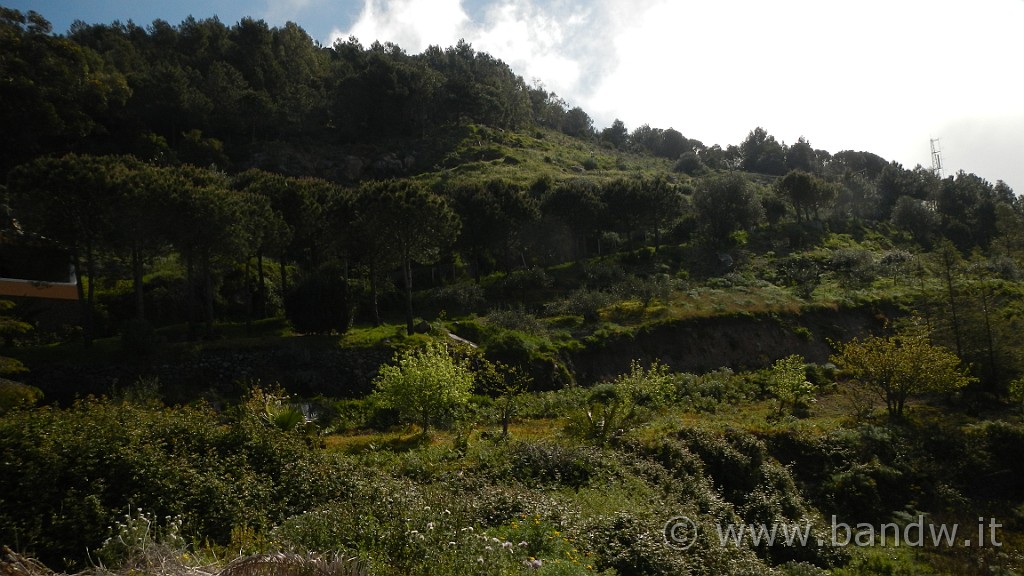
x=478, y=154
x=481, y=154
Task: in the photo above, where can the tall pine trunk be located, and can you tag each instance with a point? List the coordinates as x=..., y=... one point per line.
x=407, y=270
x=137, y=282
x=374, y=299
x=262, y=296
x=83, y=300
x=208, y=296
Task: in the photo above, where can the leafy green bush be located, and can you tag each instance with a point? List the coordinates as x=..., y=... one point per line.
x=704, y=393
x=614, y=407
x=788, y=383
x=647, y=289
x=582, y=302
x=15, y=394
x=551, y=464
x=854, y=268
x=460, y=528
x=631, y=545
x=515, y=319
x=518, y=284
x=70, y=474
x=424, y=385
x=461, y=298
x=552, y=403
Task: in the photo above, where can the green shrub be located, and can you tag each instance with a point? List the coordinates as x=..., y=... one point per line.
x=631, y=545
x=706, y=392
x=614, y=407
x=647, y=289
x=854, y=268
x=551, y=464
x=788, y=383
x=516, y=319
x=72, y=473
x=424, y=385
x=518, y=284
x=404, y=528
x=581, y=302
x=456, y=299
x=15, y=394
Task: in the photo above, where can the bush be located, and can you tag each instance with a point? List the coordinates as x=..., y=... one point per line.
x=70, y=474
x=15, y=394
x=788, y=383
x=689, y=163
x=517, y=284
x=515, y=319
x=853, y=268
x=424, y=385
x=657, y=287
x=582, y=302
x=632, y=545
x=541, y=464
x=614, y=407
x=706, y=392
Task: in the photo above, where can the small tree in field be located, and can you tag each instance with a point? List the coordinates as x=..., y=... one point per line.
x=789, y=384
x=422, y=384
x=900, y=366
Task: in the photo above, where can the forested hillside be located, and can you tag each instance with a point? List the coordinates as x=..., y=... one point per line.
x=319, y=286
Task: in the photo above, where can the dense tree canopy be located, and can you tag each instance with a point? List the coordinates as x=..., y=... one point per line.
x=253, y=158
x=725, y=204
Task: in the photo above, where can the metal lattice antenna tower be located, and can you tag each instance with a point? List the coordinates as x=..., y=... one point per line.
x=936, y=158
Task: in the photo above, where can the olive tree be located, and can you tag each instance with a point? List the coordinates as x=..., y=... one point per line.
x=900, y=366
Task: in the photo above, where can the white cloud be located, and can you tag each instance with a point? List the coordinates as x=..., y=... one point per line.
x=412, y=24
x=871, y=75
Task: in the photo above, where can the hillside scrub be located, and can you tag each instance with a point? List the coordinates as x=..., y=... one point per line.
x=207, y=483
x=648, y=327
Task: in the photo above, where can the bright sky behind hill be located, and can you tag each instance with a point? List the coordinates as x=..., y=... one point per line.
x=883, y=76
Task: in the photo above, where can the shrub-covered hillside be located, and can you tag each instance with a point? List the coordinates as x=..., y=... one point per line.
x=348, y=302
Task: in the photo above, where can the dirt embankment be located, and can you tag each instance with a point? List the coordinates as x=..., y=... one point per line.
x=738, y=342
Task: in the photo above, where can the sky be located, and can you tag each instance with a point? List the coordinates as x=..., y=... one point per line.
x=883, y=76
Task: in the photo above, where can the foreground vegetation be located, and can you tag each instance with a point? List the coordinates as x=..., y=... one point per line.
x=558, y=494
x=352, y=310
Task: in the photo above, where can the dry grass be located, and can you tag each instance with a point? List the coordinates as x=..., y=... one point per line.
x=273, y=564
x=284, y=564
x=410, y=437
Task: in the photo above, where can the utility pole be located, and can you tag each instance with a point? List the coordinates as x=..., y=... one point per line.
x=936, y=158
